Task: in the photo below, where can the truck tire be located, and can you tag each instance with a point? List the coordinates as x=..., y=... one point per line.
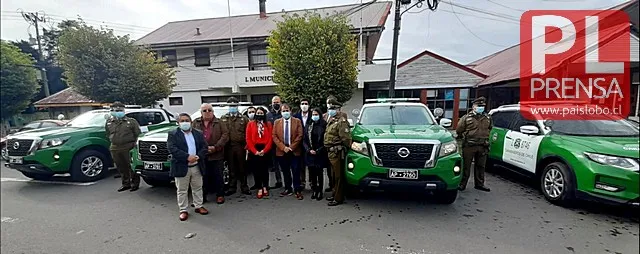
x=156, y=182
x=446, y=197
x=352, y=192
x=556, y=184
x=88, y=166
x=37, y=176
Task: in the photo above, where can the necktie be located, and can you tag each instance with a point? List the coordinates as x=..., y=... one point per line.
x=286, y=132
x=260, y=129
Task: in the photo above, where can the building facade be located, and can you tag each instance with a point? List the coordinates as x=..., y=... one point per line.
x=218, y=58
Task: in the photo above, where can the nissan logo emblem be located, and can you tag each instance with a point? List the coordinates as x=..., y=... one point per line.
x=403, y=152
x=16, y=145
x=153, y=148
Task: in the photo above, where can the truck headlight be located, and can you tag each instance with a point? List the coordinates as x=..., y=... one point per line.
x=53, y=142
x=448, y=148
x=360, y=147
x=618, y=162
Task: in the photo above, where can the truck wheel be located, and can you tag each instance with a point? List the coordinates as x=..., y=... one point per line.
x=556, y=184
x=446, y=197
x=156, y=183
x=37, y=176
x=88, y=166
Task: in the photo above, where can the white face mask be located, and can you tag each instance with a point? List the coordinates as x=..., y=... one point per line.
x=304, y=108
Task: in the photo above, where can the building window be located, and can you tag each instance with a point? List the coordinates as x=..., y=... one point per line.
x=466, y=100
x=202, y=57
x=170, y=57
x=175, y=101
x=214, y=99
x=258, y=59
x=443, y=98
x=262, y=99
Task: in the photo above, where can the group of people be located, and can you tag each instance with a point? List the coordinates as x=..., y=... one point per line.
x=261, y=140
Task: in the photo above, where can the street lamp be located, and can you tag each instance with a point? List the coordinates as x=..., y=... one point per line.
x=432, y=4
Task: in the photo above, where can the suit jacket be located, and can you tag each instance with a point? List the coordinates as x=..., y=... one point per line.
x=299, y=116
x=180, y=152
x=296, y=132
x=218, y=138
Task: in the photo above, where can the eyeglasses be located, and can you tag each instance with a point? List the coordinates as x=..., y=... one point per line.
x=207, y=110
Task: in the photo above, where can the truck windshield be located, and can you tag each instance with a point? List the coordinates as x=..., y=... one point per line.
x=602, y=128
x=395, y=115
x=89, y=119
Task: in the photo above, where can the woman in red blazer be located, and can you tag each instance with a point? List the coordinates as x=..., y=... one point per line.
x=259, y=144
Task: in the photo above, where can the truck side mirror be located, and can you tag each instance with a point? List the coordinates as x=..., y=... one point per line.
x=355, y=113
x=438, y=112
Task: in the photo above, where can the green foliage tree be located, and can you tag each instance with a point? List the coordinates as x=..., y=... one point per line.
x=313, y=57
x=106, y=67
x=18, y=81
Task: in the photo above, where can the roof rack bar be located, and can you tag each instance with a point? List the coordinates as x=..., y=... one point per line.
x=392, y=100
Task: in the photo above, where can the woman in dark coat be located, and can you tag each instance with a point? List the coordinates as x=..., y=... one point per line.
x=315, y=153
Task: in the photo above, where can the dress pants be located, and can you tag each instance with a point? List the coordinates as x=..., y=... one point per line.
x=193, y=179
x=260, y=168
x=290, y=171
x=212, y=180
x=237, y=159
x=122, y=159
x=316, y=177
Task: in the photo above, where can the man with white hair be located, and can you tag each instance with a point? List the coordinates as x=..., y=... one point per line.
x=216, y=134
x=273, y=115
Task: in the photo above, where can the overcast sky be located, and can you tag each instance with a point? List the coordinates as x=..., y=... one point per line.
x=464, y=33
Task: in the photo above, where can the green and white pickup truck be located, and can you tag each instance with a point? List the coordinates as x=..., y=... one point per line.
x=399, y=145
x=80, y=148
x=573, y=159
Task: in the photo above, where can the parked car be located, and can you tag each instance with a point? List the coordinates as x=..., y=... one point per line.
x=398, y=145
x=151, y=158
x=572, y=159
x=39, y=124
x=81, y=147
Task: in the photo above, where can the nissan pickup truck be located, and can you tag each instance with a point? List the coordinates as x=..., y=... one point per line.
x=399, y=145
x=80, y=147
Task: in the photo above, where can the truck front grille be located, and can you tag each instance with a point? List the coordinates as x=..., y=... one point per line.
x=19, y=147
x=153, y=151
x=390, y=154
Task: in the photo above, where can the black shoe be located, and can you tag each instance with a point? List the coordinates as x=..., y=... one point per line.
x=319, y=197
x=314, y=195
x=124, y=188
x=255, y=187
x=461, y=188
x=286, y=193
x=334, y=203
x=482, y=188
x=330, y=198
x=277, y=186
x=327, y=190
x=134, y=188
x=229, y=193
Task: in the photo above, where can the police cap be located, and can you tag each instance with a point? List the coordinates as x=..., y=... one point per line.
x=117, y=105
x=334, y=103
x=481, y=101
x=233, y=100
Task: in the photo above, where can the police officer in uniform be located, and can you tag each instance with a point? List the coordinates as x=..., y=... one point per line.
x=123, y=133
x=473, y=129
x=337, y=140
x=235, y=151
x=326, y=118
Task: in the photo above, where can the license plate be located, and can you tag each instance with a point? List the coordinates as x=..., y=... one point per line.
x=15, y=160
x=153, y=165
x=403, y=173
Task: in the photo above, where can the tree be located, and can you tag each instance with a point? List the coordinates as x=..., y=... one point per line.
x=313, y=57
x=19, y=80
x=107, y=68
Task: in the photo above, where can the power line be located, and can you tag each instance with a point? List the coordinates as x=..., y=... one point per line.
x=35, y=19
x=61, y=17
x=472, y=33
x=505, y=6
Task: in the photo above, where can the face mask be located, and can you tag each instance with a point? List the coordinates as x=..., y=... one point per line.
x=260, y=117
x=286, y=115
x=304, y=108
x=233, y=110
x=117, y=114
x=315, y=118
x=332, y=112
x=252, y=115
x=185, y=126
x=275, y=107
x=480, y=109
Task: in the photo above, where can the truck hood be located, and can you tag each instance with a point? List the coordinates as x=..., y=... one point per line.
x=621, y=146
x=53, y=132
x=420, y=132
x=158, y=135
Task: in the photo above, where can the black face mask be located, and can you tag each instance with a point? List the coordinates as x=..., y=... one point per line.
x=275, y=107
x=260, y=117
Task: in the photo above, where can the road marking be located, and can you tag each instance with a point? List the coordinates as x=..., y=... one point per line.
x=8, y=179
x=9, y=220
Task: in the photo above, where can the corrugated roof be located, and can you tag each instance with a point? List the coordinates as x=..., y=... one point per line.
x=66, y=96
x=505, y=65
x=252, y=26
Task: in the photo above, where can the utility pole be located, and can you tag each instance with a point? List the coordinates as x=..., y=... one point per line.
x=394, y=54
x=34, y=19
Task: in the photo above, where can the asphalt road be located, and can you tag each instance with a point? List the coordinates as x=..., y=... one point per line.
x=56, y=217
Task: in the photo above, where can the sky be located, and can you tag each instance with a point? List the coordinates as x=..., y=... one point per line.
x=461, y=30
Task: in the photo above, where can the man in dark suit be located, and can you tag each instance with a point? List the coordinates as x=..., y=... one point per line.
x=305, y=116
x=188, y=149
x=287, y=135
